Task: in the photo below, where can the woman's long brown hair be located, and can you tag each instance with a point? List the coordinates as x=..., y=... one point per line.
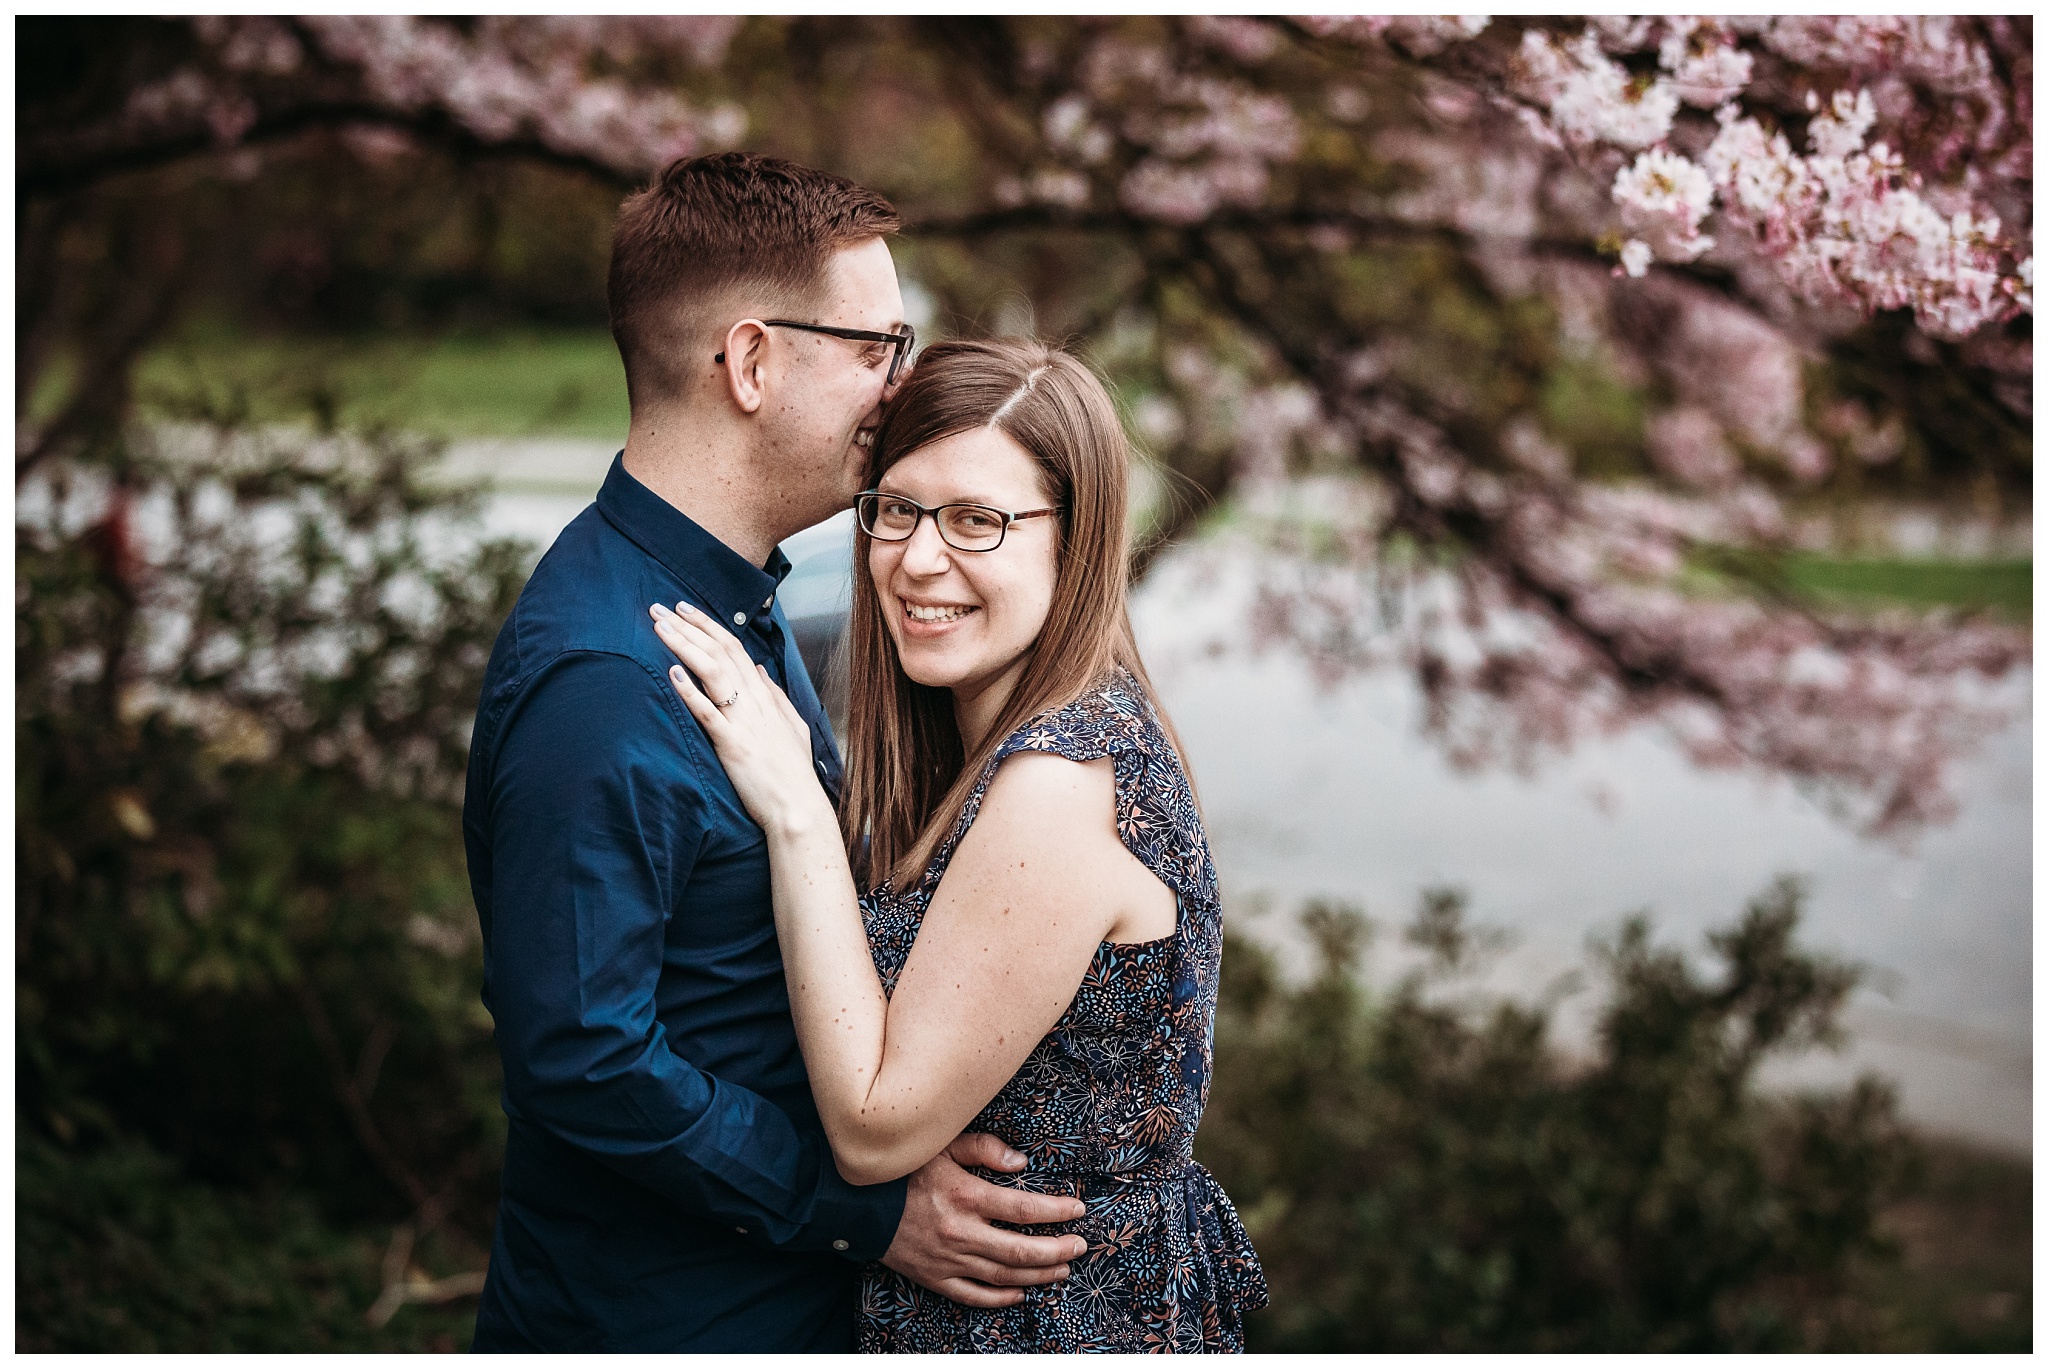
x=907, y=773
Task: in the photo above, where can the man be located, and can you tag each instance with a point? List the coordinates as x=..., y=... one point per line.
x=667, y=1185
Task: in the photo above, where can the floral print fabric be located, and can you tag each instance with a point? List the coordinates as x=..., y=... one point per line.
x=1105, y=1107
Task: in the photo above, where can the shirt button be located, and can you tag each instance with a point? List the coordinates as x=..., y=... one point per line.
x=739, y=620
x=839, y=1245
x=742, y=1230
x=768, y=603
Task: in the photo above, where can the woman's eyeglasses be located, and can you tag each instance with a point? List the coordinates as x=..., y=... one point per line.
x=965, y=527
x=902, y=342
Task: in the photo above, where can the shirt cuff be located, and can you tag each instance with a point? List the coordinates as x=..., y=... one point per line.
x=856, y=1223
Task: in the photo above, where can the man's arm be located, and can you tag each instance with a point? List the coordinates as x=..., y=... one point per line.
x=593, y=832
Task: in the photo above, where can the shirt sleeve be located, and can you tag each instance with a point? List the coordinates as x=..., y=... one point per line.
x=597, y=814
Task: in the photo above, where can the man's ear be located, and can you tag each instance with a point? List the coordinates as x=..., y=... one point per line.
x=746, y=346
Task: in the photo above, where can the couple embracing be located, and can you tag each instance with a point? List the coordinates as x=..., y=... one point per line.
x=904, y=1055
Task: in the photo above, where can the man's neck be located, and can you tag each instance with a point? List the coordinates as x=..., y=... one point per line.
x=706, y=479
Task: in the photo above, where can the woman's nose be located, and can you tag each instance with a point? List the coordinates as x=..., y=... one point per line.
x=926, y=553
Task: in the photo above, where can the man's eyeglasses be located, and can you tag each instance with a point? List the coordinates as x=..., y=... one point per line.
x=903, y=342
x=965, y=527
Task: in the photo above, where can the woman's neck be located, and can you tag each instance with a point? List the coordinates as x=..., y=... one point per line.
x=975, y=710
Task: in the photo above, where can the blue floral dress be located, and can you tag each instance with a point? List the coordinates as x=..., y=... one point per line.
x=1105, y=1107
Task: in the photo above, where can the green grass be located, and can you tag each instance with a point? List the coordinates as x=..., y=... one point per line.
x=2006, y=588
x=502, y=384
x=2002, y=589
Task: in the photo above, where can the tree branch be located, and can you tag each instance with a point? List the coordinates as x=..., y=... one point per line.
x=352, y=1105
x=54, y=165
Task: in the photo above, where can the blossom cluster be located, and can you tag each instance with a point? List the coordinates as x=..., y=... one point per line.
x=1181, y=143
x=1420, y=35
x=1575, y=607
x=512, y=76
x=1845, y=219
x=549, y=80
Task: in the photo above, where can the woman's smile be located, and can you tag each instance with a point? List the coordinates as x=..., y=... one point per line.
x=924, y=620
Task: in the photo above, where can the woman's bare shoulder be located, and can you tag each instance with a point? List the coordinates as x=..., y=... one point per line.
x=1044, y=804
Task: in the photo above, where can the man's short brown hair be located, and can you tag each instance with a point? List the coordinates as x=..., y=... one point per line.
x=706, y=228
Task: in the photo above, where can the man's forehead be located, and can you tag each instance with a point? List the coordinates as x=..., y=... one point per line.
x=862, y=275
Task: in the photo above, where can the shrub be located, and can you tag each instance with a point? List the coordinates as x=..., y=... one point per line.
x=245, y=953
x=1425, y=1172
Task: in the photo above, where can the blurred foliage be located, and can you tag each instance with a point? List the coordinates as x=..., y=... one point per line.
x=1965, y=1284
x=124, y=1254
x=244, y=943
x=1422, y=1169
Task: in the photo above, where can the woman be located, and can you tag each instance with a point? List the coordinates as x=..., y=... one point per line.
x=1036, y=954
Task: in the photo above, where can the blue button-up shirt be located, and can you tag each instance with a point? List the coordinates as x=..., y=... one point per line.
x=667, y=1184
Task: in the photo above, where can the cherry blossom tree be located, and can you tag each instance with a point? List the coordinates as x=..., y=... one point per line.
x=1371, y=251
x=1564, y=160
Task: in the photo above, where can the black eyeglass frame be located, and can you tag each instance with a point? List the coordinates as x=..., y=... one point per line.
x=862, y=500
x=904, y=341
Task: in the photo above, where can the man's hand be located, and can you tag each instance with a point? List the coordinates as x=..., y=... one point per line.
x=946, y=1244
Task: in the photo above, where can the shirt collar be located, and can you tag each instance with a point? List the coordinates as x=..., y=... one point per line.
x=737, y=591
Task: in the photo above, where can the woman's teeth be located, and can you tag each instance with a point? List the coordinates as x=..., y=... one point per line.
x=937, y=614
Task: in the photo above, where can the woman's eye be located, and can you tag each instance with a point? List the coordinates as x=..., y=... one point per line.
x=898, y=510
x=976, y=522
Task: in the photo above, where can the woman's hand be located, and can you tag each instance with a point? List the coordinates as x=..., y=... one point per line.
x=761, y=739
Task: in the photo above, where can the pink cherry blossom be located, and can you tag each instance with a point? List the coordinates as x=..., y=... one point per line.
x=1663, y=198
x=1707, y=68
x=1421, y=35
x=1845, y=225
x=513, y=76
x=1246, y=40
x=1591, y=97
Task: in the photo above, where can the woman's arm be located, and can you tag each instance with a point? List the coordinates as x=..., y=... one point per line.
x=1037, y=883
x=1010, y=933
